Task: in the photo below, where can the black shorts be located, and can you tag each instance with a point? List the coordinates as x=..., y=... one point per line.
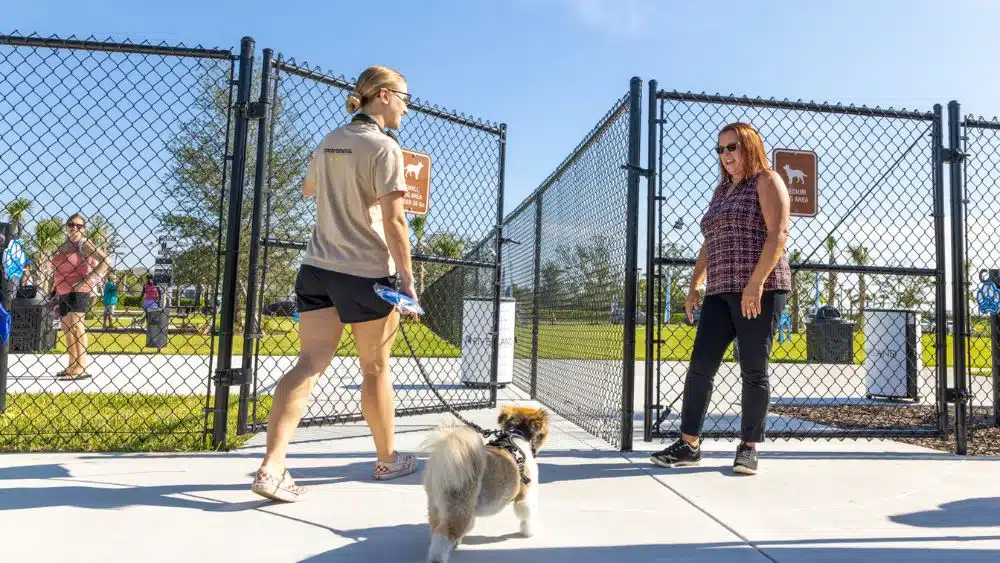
x=76, y=302
x=354, y=297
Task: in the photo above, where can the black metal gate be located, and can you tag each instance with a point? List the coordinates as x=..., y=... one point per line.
x=572, y=277
x=135, y=138
x=977, y=376
x=874, y=250
x=456, y=253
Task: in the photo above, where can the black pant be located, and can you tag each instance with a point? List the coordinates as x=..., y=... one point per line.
x=721, y=321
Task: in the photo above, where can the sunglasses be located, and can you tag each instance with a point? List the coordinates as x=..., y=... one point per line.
x=403, y=96
x=731, y=147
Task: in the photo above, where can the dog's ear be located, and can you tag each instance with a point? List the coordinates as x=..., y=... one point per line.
x=539, y=421
x=504, y=416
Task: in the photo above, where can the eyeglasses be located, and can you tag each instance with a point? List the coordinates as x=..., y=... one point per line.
x=76, y=226
x=403, y=96
x=731, y=147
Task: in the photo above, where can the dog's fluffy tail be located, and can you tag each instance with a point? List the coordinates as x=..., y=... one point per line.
x=457, y=459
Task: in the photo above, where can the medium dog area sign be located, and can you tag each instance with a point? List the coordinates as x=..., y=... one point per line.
x=417, y=172
x=799, y=170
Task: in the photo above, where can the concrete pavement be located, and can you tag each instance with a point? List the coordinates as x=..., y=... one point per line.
x=813, y=501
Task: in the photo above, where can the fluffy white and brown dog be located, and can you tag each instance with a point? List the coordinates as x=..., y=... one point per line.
x=465, y=477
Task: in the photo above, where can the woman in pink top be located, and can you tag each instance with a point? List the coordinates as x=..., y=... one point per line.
x=78, y=267
x=150, y=295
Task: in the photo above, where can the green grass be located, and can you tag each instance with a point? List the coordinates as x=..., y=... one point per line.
x=137, y=423
x=281, y=338
x=604, y=342
x=85, y=422
x=569, y=341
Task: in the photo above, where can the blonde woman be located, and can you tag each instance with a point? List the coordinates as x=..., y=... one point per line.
x=361, y=237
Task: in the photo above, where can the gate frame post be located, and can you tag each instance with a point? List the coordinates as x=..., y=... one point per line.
x=251, y=327
x=535, y=297
x=631, y=259
x=940, y=289
x=959, y=394
x=498, y=270
x=224, y=375
x=652, y=232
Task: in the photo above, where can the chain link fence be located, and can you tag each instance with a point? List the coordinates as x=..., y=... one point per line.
x=570, y=278
x=456, y=271
x=981, y=146
x=859, y=351
x=113, y=175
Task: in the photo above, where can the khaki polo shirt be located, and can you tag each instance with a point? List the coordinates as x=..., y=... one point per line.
x=352, y=168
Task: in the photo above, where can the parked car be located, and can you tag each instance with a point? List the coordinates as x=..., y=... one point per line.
x=279, y=309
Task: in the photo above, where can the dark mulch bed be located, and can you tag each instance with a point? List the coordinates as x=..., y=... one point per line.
x=983, y=438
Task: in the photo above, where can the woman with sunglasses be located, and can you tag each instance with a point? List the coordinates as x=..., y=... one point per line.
x=745, y=267
x=78, y=267
x=361, y=237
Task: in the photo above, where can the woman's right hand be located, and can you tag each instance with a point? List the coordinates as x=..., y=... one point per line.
x=407, y=287
x=691, y=303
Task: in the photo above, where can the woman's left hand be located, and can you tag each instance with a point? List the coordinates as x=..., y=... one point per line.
x=752, y=293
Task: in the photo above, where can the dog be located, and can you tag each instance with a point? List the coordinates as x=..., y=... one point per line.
x=794, y=175
x=413, y=169
x=465, y=477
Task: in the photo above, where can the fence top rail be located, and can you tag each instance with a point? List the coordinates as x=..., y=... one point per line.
x=981, y=122
x=317, y=74
x=92, y=44
x=621, y=105
x=790, y=105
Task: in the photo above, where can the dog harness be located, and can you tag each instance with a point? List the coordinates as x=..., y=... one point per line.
x=503, y=441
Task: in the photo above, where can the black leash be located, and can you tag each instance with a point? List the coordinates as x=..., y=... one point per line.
x=501, y=438
x=420, y=366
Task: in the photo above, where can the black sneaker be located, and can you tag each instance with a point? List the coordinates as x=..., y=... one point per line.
x=678, y=454
x=746, y=460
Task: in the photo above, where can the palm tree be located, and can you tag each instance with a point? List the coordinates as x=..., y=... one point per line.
x=831, y=285
x=102, y=233
x=859, y=255
x=48, y=237
x=17, y=210
x=419, y=226
x=444, y=245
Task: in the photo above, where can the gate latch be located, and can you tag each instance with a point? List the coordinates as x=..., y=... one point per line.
x=637, y=169
x=952, y=156
x=232, y=376
x=952, y=395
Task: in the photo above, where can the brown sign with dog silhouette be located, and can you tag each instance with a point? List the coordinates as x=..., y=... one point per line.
x=417, y=172
x=800, y=170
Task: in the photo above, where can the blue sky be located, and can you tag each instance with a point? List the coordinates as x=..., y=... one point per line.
x=551, y=68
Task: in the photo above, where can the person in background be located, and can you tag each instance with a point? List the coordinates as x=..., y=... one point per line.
x=150, y=295
x=78, y=267
x=110, y=300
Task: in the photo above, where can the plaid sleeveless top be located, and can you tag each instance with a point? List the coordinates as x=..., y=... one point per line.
x=735, y=232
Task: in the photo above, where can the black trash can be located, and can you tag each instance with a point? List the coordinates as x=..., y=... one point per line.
x=829, y=338
x=157, y=322
x=31, y=325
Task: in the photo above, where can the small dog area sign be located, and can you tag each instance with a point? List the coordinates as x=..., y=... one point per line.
x=417, y=172
x=799, y=169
